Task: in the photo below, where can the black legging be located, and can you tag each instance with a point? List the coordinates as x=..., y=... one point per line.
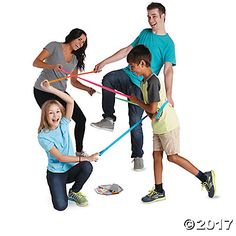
x=78, y=116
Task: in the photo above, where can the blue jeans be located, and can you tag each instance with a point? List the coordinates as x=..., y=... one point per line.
x=57, y=183
x=120, y=81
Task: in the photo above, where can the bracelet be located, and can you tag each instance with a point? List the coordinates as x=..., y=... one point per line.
x=78, y=159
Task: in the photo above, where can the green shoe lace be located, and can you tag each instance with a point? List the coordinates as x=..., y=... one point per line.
x=152, y=192
x=79, y=198
x=205, y=185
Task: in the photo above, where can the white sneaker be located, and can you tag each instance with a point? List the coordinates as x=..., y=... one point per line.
x=82, y=154
x=138, y=163
x=105, y=124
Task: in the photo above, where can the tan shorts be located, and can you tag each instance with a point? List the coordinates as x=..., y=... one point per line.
x=169, y=142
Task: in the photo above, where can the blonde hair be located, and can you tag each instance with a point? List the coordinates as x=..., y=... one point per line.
x=44, y=110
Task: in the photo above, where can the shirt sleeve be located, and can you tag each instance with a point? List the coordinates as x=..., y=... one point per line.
x=64, y=126
x=136, y=41
x=154, y=91
x=50, y=47
x=45, y=143
x=170, y=53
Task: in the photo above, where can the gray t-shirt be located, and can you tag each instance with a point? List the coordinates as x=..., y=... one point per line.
x=151, y=89
x=56, y=56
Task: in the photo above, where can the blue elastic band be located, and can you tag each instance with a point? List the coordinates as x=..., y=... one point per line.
x=161, y=109
x=132, y=127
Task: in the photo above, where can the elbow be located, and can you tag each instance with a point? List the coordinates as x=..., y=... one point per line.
x=72, y=101
x=61, y=158
x=73, y=81
x=128, y=49
x=168, y=71
x=34, y=63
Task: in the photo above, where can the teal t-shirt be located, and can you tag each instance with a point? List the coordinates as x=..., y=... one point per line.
x=162, y=49
x=60, y=138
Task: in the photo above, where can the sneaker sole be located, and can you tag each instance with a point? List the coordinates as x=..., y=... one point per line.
x=156, y=200
x=106, y=129
x=139, y=170
x=214, y=181
x=81, y=205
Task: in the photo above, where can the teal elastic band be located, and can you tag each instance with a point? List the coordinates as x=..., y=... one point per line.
x=132, y=127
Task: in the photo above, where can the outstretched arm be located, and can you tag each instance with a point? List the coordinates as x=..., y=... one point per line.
x=62, y=158
x=122, y=53
x=74, y=81
x=64, y=96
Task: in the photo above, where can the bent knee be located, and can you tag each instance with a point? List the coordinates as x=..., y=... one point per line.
x=60, y=206
x=172, y=158
x=106, y=79
x=87, y=167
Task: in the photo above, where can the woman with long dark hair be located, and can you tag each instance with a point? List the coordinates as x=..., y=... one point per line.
x=55, y=59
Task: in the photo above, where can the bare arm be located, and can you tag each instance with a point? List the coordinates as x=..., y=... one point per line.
x=168, y=77
x=39, y=61
x=64, y=96
x=74, y=81
x=122, y=53
x=149, y=108
x=62, y=158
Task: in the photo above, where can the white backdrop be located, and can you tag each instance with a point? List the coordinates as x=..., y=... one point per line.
x=203, y=91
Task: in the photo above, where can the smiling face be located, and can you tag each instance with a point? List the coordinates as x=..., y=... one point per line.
x=155, y=20
x=137, y=68
x=53, y=116
x=78, y=43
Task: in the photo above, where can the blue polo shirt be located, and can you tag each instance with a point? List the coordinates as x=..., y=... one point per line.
x=60, y=138
x=162, y=49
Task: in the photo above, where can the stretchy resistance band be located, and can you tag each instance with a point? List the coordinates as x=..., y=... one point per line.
x=132, y=127
x=161, y=109
x=77, y=76
x=121, y=99
x=68, y=76
x=104, y=87
x=121, y=136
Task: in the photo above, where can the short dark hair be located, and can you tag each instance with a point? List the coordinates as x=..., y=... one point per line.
x=138, y=53
x=157, y=5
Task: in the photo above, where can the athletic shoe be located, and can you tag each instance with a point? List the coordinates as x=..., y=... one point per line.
x=79, y=198
x=210, y=185
x=82, y=154
x=154, y=196
x=105, y=124
x=138, y=163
